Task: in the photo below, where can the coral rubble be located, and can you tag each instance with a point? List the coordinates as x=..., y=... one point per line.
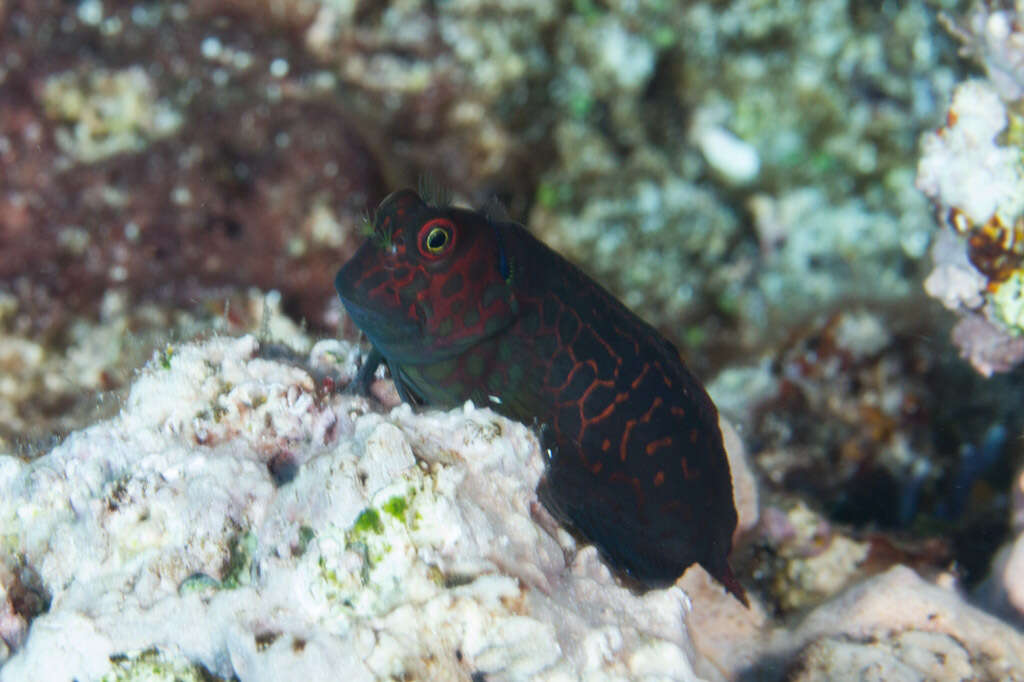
x=799, y=120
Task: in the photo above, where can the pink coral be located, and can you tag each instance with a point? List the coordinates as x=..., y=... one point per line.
x=988, y=347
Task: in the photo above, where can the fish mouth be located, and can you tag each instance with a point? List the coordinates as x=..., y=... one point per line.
x=397, y=337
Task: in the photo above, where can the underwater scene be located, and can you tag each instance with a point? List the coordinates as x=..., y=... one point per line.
x=511, y=340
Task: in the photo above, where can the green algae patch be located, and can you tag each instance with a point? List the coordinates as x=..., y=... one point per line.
x=165, y=356
x=306, y=534
x=396, y=507
x=237, y=568
x=327, y=574
x=363, y=567
x=365, y=532
x=152, y=666
x=368, y=521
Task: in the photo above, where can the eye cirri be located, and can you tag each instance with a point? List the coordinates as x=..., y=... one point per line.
x=636, y=460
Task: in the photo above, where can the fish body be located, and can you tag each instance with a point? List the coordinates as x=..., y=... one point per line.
x=462, y=306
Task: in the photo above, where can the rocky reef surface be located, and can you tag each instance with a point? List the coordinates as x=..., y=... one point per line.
x=242, y=519
x=239, y=516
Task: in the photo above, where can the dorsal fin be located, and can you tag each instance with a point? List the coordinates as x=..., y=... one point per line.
x=494, y=210
x=433, y=192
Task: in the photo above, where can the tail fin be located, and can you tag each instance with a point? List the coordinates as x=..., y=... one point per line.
x=725, y=576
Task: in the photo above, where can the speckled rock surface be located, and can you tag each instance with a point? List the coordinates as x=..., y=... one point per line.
x=240, y=517
x=144, y=146
x=799, y=120
x=49, y=388
x=882, y=429
x=894, y=626
x=933, y=634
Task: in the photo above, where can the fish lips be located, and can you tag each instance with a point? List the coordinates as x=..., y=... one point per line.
x=393, y=334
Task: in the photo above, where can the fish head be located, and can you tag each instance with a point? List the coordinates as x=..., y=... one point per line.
x=429, y=282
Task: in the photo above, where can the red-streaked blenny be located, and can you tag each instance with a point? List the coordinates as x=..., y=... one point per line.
x=462, y=306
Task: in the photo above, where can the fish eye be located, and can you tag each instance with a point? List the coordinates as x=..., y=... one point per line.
x=436, y=237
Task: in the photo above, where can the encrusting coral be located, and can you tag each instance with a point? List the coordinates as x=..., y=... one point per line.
x=972, y=169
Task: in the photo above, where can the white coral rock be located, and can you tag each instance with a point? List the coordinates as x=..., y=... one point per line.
x=963, y=166
x=403, y=545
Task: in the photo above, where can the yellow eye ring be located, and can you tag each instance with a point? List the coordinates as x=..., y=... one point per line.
x=436, y=240
x=436, y=237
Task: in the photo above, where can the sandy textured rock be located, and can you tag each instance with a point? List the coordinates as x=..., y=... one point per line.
x=1006, y=582
x=744, y=482
x=894, y=626
x=897, y=626
x=907, y=657
x=239, y=517
x=728, y=637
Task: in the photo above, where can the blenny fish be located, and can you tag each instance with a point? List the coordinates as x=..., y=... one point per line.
x=463, y=306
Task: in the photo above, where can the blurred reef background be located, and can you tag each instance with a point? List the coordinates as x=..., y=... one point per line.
x=820, y=202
